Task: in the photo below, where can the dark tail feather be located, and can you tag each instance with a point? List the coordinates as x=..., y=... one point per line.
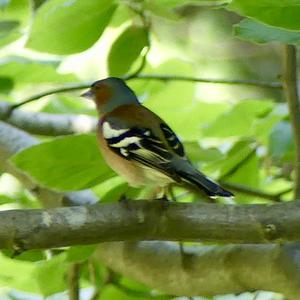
x=211, y=188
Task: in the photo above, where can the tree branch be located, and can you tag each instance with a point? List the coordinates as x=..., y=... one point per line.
x=251, y=82
x=78, y=86
x=275, y=197
x=290, y=88
x=47, y=124
x=146, y=220
x=67, y=88
x=213, y=270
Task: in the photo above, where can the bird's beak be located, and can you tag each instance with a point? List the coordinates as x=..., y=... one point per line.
x=88, y=94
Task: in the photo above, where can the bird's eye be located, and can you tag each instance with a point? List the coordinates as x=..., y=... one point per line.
x=99, y=86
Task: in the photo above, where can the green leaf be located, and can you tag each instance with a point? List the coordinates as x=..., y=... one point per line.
x=281, y=144
x=263, y=126
x=126, y=49
x=167, y=8
x=29, y=255
x=285, y=14
x=198, y=154
x=14, y=15
x=23, y=71
x=175, y=104
x=4, y=199
x=6, y=26
x=239, y=152
x=80, y=253
x=6, y=85
x=65, y=163
x=69, y=26
x=15, y=10
x=17, y=274
x=247, y=175
x=51, y=275
x=239, y=120
x=260, y=33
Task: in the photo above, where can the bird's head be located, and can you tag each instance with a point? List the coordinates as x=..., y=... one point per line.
x=110, y=93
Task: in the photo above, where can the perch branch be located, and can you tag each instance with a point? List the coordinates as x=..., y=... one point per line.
x=144, y=220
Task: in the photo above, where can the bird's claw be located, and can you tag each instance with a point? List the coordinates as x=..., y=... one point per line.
x=124, y=200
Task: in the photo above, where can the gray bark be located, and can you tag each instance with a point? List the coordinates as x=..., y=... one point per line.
x=47, y=124
x=150, y=220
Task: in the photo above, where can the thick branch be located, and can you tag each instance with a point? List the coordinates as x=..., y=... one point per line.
x=47, y=124
x=210, y=270
x=146, y=220
x=290, y=87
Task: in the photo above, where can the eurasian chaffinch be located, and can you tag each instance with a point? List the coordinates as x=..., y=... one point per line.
x=139, y=145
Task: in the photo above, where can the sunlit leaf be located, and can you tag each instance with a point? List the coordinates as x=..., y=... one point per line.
x=281, y=141
x=277, y=13
x=12, y=274
x=239, y=120
x=69, y=26
x=51, y=275
x=126, y=49
x=248, y=175
x=4, y=199
x=23, y=71
x=238, y=153
x=65, y=163
x=14, y=15
x=260, y=33
x=80, y=253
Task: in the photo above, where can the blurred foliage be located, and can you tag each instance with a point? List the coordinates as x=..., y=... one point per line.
x=238, y=133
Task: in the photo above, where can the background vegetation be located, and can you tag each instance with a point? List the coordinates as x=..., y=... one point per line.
x=221, y=73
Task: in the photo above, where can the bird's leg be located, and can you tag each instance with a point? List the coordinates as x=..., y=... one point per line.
x=184, y=256
x=164, y=194
x=124, y=200
x=157, y=193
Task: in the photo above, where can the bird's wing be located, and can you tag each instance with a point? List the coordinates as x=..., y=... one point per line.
x=172, y=140
x=142, y=145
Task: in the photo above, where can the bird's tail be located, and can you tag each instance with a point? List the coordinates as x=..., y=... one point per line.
x=206, y=185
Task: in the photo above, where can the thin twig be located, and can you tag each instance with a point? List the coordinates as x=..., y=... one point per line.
x=290, y=88
x=255, y=192
x=73, y=280
x=92, y=273
x=66, y=88
x=265, y=84
x=136, y=76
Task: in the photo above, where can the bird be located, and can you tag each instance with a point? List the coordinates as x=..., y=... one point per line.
x=139, y=146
